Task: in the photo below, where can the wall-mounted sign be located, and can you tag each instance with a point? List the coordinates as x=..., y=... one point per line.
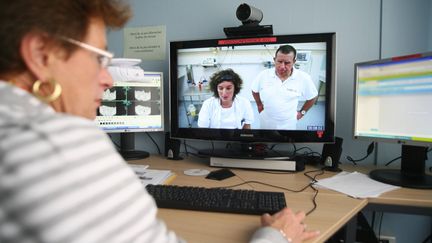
x=146, y=43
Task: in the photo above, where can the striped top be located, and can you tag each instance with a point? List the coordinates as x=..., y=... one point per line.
x=61, y=180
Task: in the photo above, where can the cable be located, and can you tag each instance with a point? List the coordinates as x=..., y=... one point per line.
x=302, y=149
x=313, y=200
x=314, y=177
x=370, y=149
x=116, y=144
x=295, y=148
x=393, y=160
x=265, y=184
x=157, y=146
x=187, y=153
x=313, y=181
x=185, y=147
x=379, y=228
x=429, y=238
x=313, y=188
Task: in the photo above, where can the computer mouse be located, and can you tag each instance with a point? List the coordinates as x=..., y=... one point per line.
x=220, y=174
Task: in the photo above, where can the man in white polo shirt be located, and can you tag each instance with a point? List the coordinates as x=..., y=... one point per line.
x=277, y=92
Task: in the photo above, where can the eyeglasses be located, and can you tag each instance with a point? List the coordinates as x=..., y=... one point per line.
x=104, y=57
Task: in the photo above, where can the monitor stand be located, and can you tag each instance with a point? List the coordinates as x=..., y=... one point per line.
x=249, y=157
x=412, y=173
x=127, y=147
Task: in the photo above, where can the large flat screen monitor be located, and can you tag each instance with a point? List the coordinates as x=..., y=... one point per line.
x=392, y=103
x=204, y=72
x=132, y=105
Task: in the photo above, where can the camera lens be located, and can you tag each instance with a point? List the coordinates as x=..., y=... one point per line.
x=248, y=14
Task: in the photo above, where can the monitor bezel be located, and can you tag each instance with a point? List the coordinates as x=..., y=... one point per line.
x=258, y=135
x=355, y=96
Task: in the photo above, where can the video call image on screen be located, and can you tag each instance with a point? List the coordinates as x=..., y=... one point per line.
x=126, y=103
x=195, y=66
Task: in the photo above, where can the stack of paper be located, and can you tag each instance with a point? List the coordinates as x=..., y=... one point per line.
x=138, y=168
x=150, y=176
x=355, y=184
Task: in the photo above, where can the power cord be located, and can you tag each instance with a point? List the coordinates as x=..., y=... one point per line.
x=393, y=160
x=157, y=146
x=370, y=149
x=429, y=238
x=112, y=140
x=187, y=153
x=119, y=147
x=302, y=148
x=380, y=225
x=313, y=181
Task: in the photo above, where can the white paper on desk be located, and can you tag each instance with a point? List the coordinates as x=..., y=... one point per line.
x=149, y=176
x=355, y=184
x=138, y=168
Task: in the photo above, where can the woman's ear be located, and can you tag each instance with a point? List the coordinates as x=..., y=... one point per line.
x=36, y=52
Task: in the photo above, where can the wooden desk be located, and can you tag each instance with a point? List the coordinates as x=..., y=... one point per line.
x=334, y=210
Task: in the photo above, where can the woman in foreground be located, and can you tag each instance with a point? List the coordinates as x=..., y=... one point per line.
x=61, y=180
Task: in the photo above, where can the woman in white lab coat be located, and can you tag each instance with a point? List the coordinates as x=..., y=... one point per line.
x=226, y=109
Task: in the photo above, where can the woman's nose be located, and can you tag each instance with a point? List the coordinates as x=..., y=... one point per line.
x=105, y=78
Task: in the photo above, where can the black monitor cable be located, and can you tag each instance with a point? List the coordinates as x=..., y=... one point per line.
x=185, y=147
x=154, y=142
x=370, y=149
x=112, y=140
x=393, y=160
x=213, y=147
x=271, y=148
x=302, y=148
x=372, y=224
x=295, y=149
x=274, y=145
x=186, y=151
x=310, y=152
x=429, y=238
x=310, y=184
x=379, y=228
x=119, y=147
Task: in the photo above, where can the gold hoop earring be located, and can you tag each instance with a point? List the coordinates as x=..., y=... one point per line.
x=49, y=98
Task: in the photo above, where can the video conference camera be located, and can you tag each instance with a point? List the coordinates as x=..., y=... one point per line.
x=249, y=15
x=250, y=18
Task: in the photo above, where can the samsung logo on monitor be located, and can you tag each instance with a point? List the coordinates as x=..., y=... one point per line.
x=247, y=135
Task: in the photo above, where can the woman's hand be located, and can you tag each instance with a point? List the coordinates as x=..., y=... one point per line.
x=289, y=224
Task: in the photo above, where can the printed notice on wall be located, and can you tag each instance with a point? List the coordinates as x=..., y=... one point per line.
x=146, y=43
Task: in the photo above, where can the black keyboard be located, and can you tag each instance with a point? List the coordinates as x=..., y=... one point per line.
x=217, y=199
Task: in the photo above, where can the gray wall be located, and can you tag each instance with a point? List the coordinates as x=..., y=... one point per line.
x=430, y=26
x=403, y=34
x=406, y=29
